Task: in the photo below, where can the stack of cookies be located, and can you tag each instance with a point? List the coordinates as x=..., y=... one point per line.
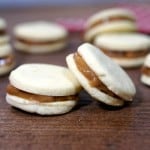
x=114, y=31
x=6, y=56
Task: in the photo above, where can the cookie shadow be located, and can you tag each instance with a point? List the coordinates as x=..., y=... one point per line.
x=112, y=108
x=84, y=100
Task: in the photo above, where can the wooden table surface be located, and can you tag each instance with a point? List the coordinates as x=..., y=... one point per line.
x=90, y=125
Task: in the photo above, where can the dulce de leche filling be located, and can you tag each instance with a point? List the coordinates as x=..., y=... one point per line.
x=125, y=54
x=110, y=19
x=2, y=32
x=7, y=60
x=93, y=80
x=146, y=70
x=30, y=42
x=35, y=97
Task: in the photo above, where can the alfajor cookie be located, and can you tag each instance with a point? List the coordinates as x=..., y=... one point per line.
x=102, y=78
x=4, y=38
x=128, y=49
x=109, y=20
x=7, y=61
x=43, y=89
x=40, y=37
x=145, y=78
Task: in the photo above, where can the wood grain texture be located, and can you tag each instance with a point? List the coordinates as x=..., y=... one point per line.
x=91, y=125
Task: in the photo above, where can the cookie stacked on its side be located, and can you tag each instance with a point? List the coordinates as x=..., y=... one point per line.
x=6, y=56
x=102, y=78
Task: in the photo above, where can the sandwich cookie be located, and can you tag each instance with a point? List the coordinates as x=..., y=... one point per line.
x=7, y=61
x=102, y=78
x=43, y=89
x=128, y=50
x=110, y=20
x=3, y=36
x=145, y=78
x=40, y=37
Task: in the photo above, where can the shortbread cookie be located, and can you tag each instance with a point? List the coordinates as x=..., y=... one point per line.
x=7, y=60
x=102, y=78
x=40, y=37
x=2, y=27
x=109, y=20
x=128, y=49
x=4, y=38
x=43, y=89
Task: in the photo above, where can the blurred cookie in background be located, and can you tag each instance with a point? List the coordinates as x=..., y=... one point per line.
x=40, y=37
x=7, y=60
x=127, y=49
x=145, y=78
x=109, y=20
x=4, y=38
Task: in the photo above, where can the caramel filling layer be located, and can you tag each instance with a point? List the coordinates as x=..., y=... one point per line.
x=94, y=81
x=6, y=61
x=2, y=32
x=125, y=54
x=29, y=42
x=110, y=19
x=146, y=70
x=40, y=98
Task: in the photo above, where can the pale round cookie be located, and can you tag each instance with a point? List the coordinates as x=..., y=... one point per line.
x=51, y=108
x=43, y=80
x=120, y=47
x=2, y=24
x=123, y=42
x=107, y=71
x=4, y=69
x=40, y=37
x=4, y=39
x=109, y=20
x=40, y=31
x=39, y=48
x=147, y=61
x=111, y=12
x=7, y=60
x=5, y=50
x=145, y=77
x=113, y=27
